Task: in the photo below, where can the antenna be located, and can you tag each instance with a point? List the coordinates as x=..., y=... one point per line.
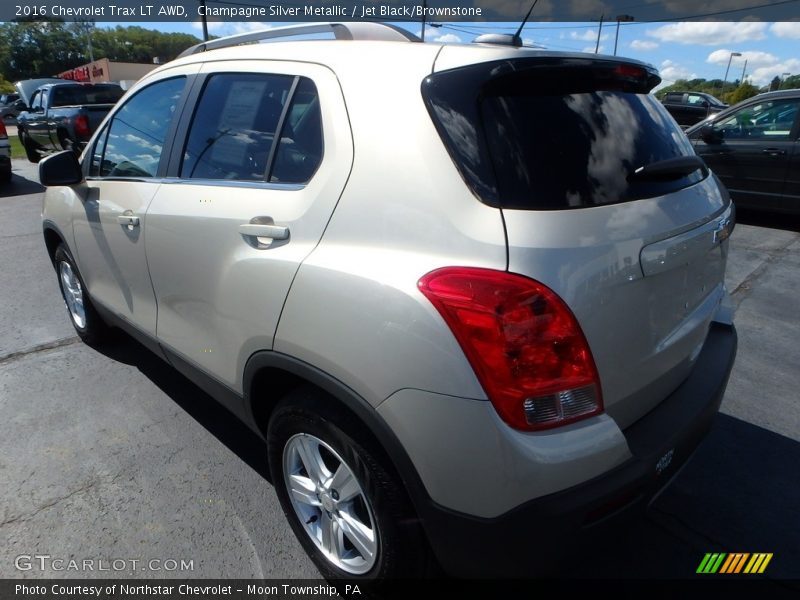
x=517, y=39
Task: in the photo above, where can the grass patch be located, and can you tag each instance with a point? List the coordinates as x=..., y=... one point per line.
x=17, y=151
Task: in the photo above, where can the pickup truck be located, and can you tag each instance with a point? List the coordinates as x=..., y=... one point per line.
x=63, y=116
x=688, y=108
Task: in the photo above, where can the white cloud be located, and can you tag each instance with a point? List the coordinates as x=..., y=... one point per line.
x=590, y=35
x=709, y=33
x=763, y=75
x=447, y=38
x=643, y=45
x=671, y=71
x=789, y=29
x=754, y=58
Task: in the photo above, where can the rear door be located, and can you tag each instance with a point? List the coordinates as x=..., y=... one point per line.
x=753, y=155
x=604, y=202
x=264, y=157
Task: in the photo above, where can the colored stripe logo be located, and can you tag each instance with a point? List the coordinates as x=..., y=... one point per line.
x=734, y=562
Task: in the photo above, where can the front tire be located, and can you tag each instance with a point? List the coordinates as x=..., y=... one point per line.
x=84, y=317
x=31, y=148
x=348, y=510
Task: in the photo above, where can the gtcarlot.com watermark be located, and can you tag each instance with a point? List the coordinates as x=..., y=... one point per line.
x=46, y=562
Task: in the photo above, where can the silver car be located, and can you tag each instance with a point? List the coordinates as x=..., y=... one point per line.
x=474, y=302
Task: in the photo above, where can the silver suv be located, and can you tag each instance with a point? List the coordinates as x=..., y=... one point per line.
x=471, y=295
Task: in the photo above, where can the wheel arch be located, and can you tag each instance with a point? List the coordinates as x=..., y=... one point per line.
x=52, y=239
x=270, y=375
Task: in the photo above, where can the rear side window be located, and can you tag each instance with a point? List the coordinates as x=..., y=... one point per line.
x=528, y=134
x=255, y=127
x=86, y=94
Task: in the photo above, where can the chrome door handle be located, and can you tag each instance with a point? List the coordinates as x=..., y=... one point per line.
x=774, y=151
x=274, y=232
x=130, y=221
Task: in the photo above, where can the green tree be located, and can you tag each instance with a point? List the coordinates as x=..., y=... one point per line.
x=44, y=48
x=37, y=49
x=743, y=92
x=6, y=87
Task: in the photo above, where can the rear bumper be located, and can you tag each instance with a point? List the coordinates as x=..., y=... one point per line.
x=529, y=537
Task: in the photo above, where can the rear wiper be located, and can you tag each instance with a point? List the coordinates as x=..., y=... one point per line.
x=671, y=168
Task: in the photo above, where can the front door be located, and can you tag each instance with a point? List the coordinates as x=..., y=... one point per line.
x=752, y=158
x=121, y=182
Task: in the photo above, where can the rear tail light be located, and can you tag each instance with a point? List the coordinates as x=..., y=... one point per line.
x=523, y=343
x=82, y=127
x=3, y=132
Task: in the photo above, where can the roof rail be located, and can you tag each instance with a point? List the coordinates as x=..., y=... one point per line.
x=341, y=31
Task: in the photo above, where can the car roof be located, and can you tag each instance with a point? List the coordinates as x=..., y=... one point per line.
x=346, y=54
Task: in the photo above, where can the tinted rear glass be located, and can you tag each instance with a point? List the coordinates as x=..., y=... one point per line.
x=553, y=137
x=85, y=94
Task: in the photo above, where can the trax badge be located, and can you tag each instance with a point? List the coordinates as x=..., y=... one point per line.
x=664, y=461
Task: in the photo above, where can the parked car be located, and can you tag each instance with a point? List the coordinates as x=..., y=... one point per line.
x=63, y=116
x=753, y=148
x=24, y=90
x=7, y=108
x=469, y=318
x=5, y=155
x=689, y=108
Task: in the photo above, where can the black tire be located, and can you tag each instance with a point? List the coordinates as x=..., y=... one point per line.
x=91, y=329
x=5, y=175
x=31, y=148
x=402, y=550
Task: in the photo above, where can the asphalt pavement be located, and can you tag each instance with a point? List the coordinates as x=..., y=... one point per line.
x=109, y=454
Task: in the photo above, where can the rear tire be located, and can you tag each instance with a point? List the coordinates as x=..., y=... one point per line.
x=348, y=510
x=84, y=317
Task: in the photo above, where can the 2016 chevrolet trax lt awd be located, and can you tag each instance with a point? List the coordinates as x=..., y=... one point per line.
x=471, y=295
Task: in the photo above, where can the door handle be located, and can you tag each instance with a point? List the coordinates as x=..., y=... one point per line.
x=129, y=221
x=774, y=152
x=274, y=232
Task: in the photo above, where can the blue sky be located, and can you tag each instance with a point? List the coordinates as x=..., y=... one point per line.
x=679, y=50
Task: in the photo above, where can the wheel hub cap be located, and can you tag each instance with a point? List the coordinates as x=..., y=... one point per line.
x=73, y=294
x=330, y=504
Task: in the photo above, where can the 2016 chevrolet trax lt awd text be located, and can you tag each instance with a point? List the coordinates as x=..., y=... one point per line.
x=471, y=295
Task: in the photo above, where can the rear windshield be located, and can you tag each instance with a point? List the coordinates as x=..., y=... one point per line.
x=85, y=94
x=556, y=136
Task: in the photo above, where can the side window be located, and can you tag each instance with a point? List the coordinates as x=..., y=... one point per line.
x=772, y=119
x=695, y=100
x=300, y=148
x=135, y=138
x=36, y=100
x=234, y=126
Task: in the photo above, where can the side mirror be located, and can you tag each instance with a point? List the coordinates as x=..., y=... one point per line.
x=60, y=169
x=710, y=134
x=20, y=105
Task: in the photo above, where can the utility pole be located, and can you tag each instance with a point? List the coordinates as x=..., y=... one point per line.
x=730, y=58
x=624, y=19
x=599, y=31
x=743, y=71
